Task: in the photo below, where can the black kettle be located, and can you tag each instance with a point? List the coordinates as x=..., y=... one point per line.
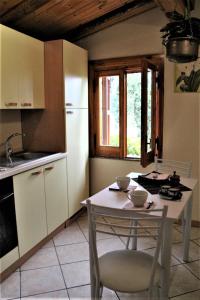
x=174, y=179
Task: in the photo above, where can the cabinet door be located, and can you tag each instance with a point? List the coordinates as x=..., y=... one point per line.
x=30, y=208
x=31, y=74
x=25, y=73
x=9, y=67
x=75, y=60
x=77, y=159
x=22, y=70
x=55, y=175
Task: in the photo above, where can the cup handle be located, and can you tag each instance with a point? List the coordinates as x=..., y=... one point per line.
x=128, y=195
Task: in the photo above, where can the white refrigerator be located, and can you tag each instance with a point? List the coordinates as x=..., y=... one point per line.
x=75, y=61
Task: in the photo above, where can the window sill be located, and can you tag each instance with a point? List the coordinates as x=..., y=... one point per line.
x=117, y=158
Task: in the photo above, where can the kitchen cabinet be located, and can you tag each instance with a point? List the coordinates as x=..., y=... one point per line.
x=22, y=70
x=55, y=179
x=9, y=259
x=77, y=159
x=30, y=208
x=66, y=80
x=75, y=67
x=40, y=203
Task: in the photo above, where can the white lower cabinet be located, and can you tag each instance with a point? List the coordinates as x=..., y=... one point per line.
x=9, y=259
x=55, y=177
x=30, y=208
x=40, y=202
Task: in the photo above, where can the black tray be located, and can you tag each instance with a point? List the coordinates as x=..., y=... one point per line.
x=153, y=186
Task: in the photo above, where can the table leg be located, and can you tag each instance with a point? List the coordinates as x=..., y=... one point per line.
x=134, y=239
x=166, y=259
x=187, y=230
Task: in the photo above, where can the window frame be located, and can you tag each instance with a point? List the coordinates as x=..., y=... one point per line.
x=123, y=66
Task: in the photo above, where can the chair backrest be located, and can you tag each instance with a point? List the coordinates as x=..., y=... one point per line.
x=125, y=223
x=182, y=168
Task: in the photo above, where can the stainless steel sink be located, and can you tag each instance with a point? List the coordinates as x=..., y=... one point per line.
x=21, y=158
x=30, y=155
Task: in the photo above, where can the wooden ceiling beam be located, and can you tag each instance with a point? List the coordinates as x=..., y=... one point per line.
x=23, y=8
x=171, y=5
x=118, y=15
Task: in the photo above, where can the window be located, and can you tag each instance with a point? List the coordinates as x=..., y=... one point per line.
x=126, y=108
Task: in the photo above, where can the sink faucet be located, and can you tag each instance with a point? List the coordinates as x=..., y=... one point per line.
x=8, y=146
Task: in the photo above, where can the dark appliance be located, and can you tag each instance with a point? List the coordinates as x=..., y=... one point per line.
x=8, y=228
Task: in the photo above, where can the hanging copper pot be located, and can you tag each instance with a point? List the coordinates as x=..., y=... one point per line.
x=182, y=49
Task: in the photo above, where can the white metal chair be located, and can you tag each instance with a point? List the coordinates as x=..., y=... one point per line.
x=182, y=168
x=124, y=270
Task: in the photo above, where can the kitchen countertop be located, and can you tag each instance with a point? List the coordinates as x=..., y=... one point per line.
x=31, y=164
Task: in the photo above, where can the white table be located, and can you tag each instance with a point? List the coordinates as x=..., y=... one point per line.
x=175, y=209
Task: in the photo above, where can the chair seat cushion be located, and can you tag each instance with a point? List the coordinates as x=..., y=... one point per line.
x=127, y=270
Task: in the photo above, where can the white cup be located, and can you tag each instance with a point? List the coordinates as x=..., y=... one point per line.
x=123, y=182
x=138, y=197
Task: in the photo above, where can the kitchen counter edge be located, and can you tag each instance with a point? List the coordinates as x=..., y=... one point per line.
x=32, y=164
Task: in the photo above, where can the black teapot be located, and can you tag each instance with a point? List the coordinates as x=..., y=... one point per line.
x=174, y=179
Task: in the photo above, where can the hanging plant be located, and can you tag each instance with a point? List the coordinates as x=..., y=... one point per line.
x=181, y=37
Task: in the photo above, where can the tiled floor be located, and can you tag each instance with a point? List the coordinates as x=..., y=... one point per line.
x=60, y=270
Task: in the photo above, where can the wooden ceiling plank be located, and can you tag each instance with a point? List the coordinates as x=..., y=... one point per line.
x=23, y=8
x=108, y=20
x=6, y=5
x=66, y=15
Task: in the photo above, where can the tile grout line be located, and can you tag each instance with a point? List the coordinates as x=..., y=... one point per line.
x=20, y=283
x=40, y=294
x=61, y=271
x=184, y=265
x=184, y=294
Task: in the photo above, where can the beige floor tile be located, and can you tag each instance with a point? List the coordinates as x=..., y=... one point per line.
x=182, y=281
x=176, y=236
x=83, y=223
x=197, y=241
x=10, y=288
x=195, y=231
x=76, y=274
x=145, y=243
x=69, y=235
x=174, y=261
x=41, y=280
x=61, y=294
x=189, y=296
x=45, y=257
x=73, y=253
x=194, y=267
x=83, y=292
x=107, y=245
x=194, y=252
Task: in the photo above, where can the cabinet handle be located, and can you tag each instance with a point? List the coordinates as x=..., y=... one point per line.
x=68, y=104
x=49, y=168
x=69, y=112
x=9, y=104
x=36, y=173
x=26, y=104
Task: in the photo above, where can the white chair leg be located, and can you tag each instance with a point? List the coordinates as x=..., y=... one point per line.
x=154, y=293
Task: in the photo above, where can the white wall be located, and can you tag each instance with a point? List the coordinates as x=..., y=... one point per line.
x=136, y=36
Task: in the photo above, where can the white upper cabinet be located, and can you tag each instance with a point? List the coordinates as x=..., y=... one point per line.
x=75, y=62
x=22, y=70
